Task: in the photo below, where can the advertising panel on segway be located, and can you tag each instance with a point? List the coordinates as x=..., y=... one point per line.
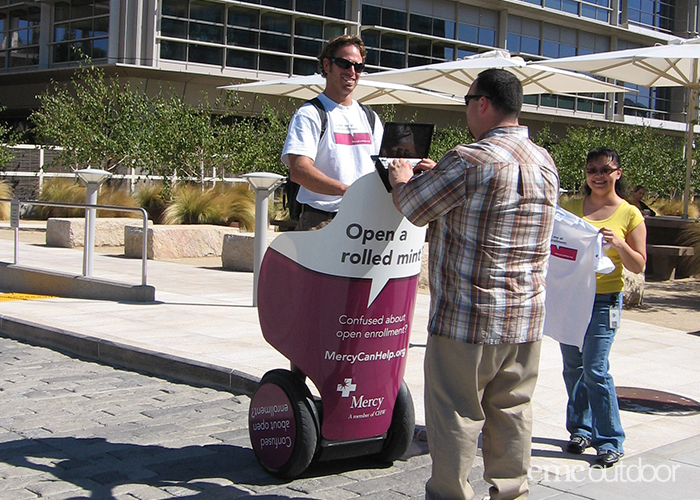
x=338, y=303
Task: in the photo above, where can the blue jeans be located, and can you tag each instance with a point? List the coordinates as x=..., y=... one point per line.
x=592, y=410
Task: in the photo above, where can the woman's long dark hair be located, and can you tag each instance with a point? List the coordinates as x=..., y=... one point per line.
x=612, y=156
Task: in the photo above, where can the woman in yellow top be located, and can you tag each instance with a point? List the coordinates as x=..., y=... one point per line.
x=592, y=414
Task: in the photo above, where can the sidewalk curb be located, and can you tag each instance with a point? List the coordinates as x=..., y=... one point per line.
x=130, y=357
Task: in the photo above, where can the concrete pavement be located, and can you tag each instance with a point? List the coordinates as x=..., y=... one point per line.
x=203, y=329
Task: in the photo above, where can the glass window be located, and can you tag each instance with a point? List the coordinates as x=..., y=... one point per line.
x=276, y=22
x=242, y=38
x=277, y=43
x=170, y=27
x=240, y=59
x=175, y=8
x=391, y=60
x=418, y=61
x=310, y=28
x=394, y=19
x=282, y=4
x=421, y=24
x=203, y=54
x=100, y=26
x=206, y=33
x=468, y=33
x=307, y=47
x=443, y=28
x=61, y=11
x=331, y=30
x=393, y=42
x=243, y=17
x=81, y=29
x=278, y=64
x=310, y=6
x=173, y=50
x=100, y=48
x=207, y=11
x=442, y=52
x=336, y=8
x=101, y=7
x=371, y=15
x=80, y=9
x=419, y=46
x=487, y=37
x=305, y=67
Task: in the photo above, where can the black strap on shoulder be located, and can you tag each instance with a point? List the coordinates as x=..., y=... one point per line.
x=316, y=103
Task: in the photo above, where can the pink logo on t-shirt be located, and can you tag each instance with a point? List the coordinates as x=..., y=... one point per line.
x=564, y=253
x=352, y=140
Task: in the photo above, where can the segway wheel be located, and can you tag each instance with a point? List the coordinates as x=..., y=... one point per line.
x=403, y=423
x=283, y=424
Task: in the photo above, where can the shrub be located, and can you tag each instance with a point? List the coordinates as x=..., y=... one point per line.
x=151, y=198
x=691, y=237
x=191, y=205
x=116, y=196
x=674, y=207
x=237, y=204
x=63, y=191
x=220, y=206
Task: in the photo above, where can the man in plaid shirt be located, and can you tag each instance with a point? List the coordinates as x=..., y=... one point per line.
x=490, y=208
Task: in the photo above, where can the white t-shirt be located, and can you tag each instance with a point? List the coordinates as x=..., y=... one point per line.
x=577, y=255
x=345, y=148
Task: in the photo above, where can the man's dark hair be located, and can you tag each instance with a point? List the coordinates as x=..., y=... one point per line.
x=503, y=89
x=611, y=155
x=338, y=42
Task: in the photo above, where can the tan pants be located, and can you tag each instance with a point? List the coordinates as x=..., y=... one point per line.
x=469, y=389
x=310, y=220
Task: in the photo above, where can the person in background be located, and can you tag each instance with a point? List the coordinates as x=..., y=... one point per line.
x=592, y=412
x=636, y=200
x=325, y=165
x=490, y=208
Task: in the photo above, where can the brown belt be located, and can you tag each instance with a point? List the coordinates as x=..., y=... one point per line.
x=309, y=208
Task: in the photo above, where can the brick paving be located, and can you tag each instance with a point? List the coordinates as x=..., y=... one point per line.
x=72, y=429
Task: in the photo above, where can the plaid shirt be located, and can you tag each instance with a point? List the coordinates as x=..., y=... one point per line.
x=491, y=207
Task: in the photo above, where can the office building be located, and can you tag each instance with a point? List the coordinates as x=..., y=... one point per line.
x=197, y=45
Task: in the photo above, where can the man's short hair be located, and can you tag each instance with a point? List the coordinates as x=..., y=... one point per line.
x=338, y=42
x=503, y=89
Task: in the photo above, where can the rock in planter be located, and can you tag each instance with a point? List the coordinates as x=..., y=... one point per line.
x=176, y=241
x=238, y=251
x=634, y=288
x=70, y=232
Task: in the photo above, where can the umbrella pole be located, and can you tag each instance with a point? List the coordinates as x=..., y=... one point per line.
x=690, y=118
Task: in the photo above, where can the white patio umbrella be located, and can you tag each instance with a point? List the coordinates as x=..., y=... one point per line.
x=368, y=92
x=455, y=77
x=672, y=65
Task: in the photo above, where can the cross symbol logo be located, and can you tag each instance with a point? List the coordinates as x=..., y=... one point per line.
x=346, y=388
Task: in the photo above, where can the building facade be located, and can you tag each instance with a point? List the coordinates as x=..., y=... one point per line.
x=197, y=45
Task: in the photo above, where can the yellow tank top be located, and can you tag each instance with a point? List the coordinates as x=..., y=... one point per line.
x=625, y=218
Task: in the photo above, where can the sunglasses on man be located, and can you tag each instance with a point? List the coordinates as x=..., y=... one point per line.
x=345, y=64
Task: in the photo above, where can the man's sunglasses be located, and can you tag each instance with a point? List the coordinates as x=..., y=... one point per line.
x=468, y=97
x=345, y=64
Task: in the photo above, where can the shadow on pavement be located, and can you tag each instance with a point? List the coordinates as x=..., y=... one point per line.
x=99, y=467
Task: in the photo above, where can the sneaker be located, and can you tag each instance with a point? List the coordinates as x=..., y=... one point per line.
x=578, y=444
x=608, y=458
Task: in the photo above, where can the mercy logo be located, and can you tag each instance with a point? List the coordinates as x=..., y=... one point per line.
x=346, y=388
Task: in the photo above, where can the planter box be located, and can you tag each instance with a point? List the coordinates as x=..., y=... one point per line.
x=176, y=241
x=70, y=232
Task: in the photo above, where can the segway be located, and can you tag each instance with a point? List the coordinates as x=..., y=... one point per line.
x=338, y=303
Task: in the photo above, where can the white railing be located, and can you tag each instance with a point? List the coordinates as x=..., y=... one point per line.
x=14, y=223
x=132, y=177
